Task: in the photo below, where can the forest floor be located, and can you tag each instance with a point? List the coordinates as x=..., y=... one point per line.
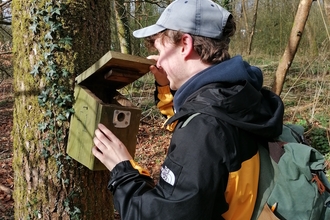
x=150, y=154
x=6, y=155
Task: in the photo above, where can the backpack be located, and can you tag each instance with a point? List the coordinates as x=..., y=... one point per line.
x=292, y=181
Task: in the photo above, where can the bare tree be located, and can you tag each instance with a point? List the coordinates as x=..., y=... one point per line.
x=292, y=46
x=253, y=25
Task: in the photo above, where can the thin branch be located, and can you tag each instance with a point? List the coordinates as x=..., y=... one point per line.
x=159, y=4
x=5, y=31
x=5, y=22
x=5, y=53
x=3, y=4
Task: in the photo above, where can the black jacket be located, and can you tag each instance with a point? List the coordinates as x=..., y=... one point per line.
x=212, y=163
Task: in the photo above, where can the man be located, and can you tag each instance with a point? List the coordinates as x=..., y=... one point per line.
x=222, y=115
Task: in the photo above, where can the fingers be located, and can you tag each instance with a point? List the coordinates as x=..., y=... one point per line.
x=153, y=57
x=108, y=148
x=159, y=72
x=97, y=153
x=160, y=75
x=104, y=132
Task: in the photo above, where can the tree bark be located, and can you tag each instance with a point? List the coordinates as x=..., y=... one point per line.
x=137, y=20
x=244, y=13
x=327, y=9
x=253, y=25
x=122, y=20
x=292, y=46
x=53, y=42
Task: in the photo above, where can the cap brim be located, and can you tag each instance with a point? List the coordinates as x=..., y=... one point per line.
x=148, y=31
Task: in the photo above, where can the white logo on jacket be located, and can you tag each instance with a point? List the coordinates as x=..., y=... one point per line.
x=167, y=175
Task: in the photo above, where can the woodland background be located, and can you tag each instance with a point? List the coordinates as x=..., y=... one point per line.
x=263, y=30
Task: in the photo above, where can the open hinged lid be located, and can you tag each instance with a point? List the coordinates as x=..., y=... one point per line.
x=114, y=70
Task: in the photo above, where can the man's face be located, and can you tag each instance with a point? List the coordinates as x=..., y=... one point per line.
x=172, y=61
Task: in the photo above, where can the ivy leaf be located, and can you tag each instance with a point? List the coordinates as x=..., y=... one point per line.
x=76, y=211
x=42, y=126
x=46, y=142
x=35, y=70
x=59, y=171
x=66, y=41
x=44, y=153
x=56, y=11
x=34, y=27
x=48, y=113
x=42, y=98
x=69, y=112
x=46, y=55
x=60, y=117
x=51, y=74
x=51, y=46
x=51, y=127
x=48, y=36
x=65, y=73
x=46, y=19
x=55, y=26
x=58, y=155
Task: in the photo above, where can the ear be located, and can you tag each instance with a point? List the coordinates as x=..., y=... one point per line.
x=187, y=45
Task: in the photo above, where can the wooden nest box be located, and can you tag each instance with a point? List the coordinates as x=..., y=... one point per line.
x=98, y=101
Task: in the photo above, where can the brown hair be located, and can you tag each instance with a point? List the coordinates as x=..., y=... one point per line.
x=211, y=51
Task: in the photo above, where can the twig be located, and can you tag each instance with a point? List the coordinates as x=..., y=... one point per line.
x=4, y=3
x=6, y=189
x=3, y=152
x=6, y=160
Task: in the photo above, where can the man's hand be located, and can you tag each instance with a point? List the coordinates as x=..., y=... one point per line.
x=108, y=148
x=159, y=73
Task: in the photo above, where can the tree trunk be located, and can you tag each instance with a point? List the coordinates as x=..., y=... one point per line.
x=53, y=42
x=123, y=26
x=312, y=42
x=253, y=26
x=327, y=9
x=291, y=48
x=137, y=20
x=246, y=23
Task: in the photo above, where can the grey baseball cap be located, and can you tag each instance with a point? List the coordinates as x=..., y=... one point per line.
x=196, y=17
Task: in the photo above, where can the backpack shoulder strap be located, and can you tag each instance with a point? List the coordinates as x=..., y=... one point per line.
x=276, y=150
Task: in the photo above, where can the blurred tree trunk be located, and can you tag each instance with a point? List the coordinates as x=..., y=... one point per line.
x=53, y=42
x=292, y=46
x=253, y=26
x=1, y=11
x=137, y=20
x=327, y=9
x=244, y=13
x=313, y=49
x=122, y=20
